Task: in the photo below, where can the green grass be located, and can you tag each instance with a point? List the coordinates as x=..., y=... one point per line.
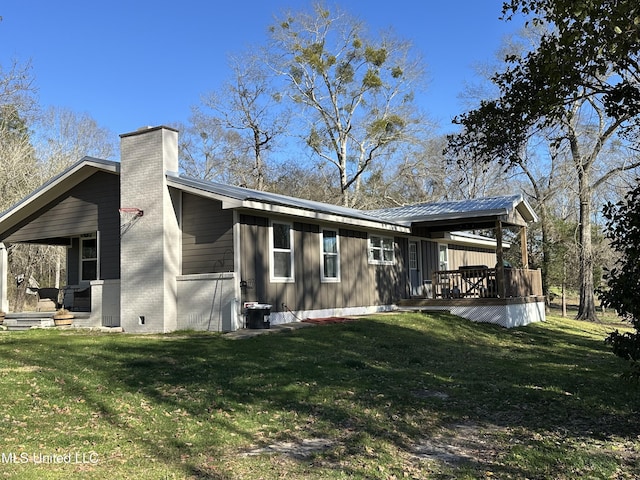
x=392, y=396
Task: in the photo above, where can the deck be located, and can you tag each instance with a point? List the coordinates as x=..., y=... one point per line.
x=479, y=281
x=509, y=297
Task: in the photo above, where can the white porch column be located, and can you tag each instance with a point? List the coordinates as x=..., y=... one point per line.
x=524, y=247
x=4, y=271
x=500, y=260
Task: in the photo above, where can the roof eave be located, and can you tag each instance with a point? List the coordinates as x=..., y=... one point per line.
x=253, y=204
x=53, y=188
x=325, y=216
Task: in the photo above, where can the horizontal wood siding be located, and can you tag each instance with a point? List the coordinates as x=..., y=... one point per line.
x=88, y=207
x=361, y=284
x=207, y=236
x=460, y=256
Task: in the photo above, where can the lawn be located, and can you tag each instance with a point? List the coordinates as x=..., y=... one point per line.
x=389, y=397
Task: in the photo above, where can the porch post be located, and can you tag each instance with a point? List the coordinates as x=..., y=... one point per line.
x=500, y=260
x=524, y=249
x=4, y=271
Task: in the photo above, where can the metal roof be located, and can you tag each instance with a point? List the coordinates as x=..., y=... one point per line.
x=249, y=197
x=479, y=207
x=397, y=219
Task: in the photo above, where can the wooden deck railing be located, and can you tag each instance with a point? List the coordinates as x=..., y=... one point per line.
x=482, y=282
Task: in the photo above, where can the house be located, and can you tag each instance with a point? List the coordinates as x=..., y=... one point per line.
x=153, y=251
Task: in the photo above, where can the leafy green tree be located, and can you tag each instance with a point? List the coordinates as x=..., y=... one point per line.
x=623, y=280
x=581, y=86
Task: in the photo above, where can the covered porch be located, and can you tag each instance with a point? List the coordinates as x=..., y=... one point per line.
x=76, y=212
x=479, y=281
x=93, y=302
x=501, y=293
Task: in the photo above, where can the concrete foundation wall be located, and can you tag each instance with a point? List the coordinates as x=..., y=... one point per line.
x=508, y=316
x=298, y=316
x=207, y=302
x=105, y=303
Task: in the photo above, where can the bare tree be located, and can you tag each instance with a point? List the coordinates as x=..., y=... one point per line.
x=63, y=137
x=235, y=128
x=18, y=164
x=356, y=93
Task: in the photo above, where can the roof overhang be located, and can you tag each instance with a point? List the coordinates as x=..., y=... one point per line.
x=55, y=187
x=468, y=239
x=520, y=214
x=273, y=207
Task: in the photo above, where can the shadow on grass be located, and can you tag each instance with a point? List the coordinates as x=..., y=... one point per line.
x=391, y=380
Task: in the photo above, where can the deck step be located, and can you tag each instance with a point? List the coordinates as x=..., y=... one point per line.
x=27, y=320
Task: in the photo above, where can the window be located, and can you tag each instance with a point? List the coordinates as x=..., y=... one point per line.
x=381, y=250
x=88, y=259
x=330, y=256
x=443, y=256
x=413, y=256
x=281, y=252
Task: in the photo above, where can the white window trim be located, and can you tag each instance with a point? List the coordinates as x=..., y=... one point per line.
x=443, y=264
x=325, y=279
x=370, y=250
x=413, y=254
x=90, y=236
x=272, y=250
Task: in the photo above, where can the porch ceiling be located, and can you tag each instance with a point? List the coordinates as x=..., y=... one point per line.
x=427, y=227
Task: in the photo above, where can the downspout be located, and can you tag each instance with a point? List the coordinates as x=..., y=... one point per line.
x=236, y=307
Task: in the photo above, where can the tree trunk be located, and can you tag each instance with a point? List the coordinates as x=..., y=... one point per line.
x=546, y=249
x=587, y=307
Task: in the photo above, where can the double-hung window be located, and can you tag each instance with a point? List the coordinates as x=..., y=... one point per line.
x=88, y=258
x=381, y=250
x=330, y=256
x=281, y=252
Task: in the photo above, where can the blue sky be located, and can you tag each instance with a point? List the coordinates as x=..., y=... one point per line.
x=130, y=63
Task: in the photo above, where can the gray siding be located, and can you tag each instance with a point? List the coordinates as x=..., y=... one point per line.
x=430, y=259
x=88, y=207
x=207, y=236
x=73, y=262
x=461, y=256
x=362, y=284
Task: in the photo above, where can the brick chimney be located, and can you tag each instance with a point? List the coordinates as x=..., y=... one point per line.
x=149, y=249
